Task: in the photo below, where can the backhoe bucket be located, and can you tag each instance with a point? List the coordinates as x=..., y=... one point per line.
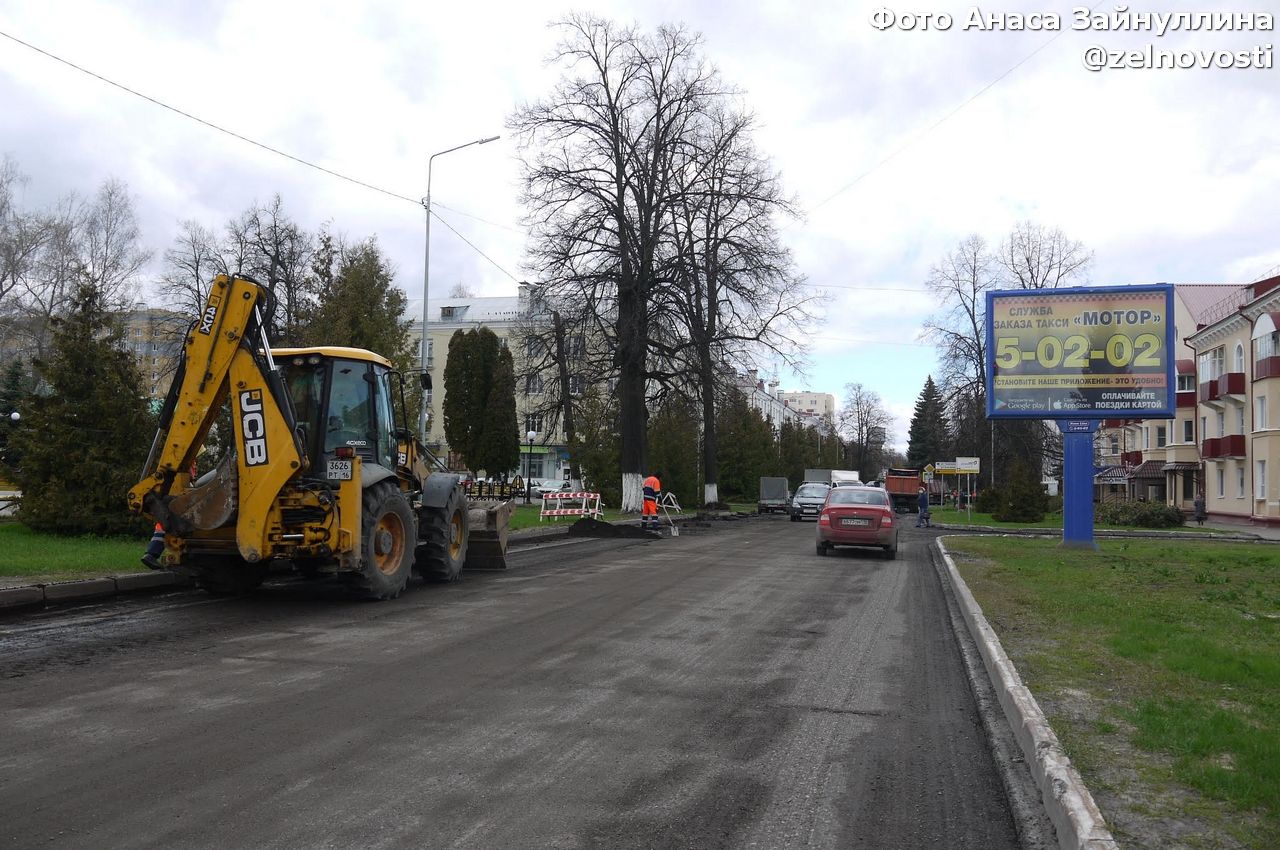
x=487, y=544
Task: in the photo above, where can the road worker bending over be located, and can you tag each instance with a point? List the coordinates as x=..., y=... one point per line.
x=649, y=511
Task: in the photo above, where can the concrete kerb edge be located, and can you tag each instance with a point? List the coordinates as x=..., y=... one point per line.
x=94, y=588
x=1067, y=800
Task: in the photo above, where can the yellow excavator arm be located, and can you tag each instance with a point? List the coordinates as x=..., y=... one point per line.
x=225, y=356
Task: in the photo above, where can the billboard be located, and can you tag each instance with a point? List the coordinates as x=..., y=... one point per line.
x=1081, y=353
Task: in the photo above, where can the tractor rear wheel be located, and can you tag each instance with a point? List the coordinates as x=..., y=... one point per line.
x=443, y=548
x=387, y=540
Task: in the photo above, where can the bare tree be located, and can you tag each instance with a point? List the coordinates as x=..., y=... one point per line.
x=1036, y=257
x=731, y=285
x=864, y=423
x=960, y=283
x=597, y=182
x=190, y=265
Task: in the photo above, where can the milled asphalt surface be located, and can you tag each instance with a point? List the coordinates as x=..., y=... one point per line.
x=721, y=689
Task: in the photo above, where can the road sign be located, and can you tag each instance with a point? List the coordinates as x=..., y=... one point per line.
x=967, y=465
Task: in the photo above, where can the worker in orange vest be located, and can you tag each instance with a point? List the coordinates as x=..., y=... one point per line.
x=649, y=511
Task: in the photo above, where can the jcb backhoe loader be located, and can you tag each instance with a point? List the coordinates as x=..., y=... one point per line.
x=319, y=472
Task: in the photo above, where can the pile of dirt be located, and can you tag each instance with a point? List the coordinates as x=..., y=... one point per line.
x=588, y=527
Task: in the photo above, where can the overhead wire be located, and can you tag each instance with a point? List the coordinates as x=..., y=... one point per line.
x=243, y=138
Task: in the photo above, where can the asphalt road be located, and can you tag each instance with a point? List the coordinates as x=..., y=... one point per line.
x=724, y=689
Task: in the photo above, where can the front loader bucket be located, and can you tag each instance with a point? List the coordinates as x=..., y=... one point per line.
x=487, y=543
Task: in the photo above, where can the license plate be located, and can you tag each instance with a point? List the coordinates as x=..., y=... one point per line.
x=339, y=470
x=856, y=521
x=811, y=510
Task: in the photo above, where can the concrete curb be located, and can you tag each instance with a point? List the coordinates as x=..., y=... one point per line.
x=94, y=588
x=1075, y=816
x=1234, y=536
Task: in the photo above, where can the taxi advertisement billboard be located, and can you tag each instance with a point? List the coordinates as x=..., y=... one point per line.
x=1081, y=353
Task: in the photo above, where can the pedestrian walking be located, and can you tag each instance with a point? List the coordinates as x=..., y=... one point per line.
x=649, y=510
x=922, y=502
x=1201, y=515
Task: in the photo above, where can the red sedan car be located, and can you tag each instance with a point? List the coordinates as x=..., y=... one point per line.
x=858, y=516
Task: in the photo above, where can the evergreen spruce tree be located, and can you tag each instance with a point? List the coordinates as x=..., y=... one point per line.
x=498, y=442
x=673, y=449
x=84, y=442
x=927, y=439
x=15, y=388
x=1023, y=499
x=360, y=306
x=480, y=402
x=747, y=451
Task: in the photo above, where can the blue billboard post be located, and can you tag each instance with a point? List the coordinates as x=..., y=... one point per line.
x=1077, y=356
x=1077, y=482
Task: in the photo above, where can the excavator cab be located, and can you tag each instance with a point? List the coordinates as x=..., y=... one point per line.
x=343, y=404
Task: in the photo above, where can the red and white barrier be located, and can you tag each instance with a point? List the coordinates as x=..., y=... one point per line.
x=590, y=505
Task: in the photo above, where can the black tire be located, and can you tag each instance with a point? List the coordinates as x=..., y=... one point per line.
x=795, y=518
x=233, y=576
x=387, y=541
x=442, y=549
x=822, y=549
x=890, y=553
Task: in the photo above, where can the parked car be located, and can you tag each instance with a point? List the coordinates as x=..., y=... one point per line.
x=808, y=500
x=858, y=516
x=551, y=486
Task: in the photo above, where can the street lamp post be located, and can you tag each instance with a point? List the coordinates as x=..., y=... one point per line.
x=426, y=280
x=528, y=466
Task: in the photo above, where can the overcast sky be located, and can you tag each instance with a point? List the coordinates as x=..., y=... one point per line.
x=898, y=144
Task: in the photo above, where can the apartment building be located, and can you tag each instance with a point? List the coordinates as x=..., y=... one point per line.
x=821, y=405
x=154, y=337
x=1159, y=460
x=1237, y=357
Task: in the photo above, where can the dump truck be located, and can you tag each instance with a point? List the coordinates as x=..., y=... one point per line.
x=774, y=495
x=903, y=486
x=322, y=471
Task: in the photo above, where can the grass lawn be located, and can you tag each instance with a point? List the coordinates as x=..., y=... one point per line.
x=44, y=557
x=1158, y=665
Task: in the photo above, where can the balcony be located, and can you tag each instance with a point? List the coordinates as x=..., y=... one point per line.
x=1231, y=385
x=1217, y=448
x=1208, y=394
x=1130, y=458
x=1267, y=367
x=1119, y=423
x=1186, y=399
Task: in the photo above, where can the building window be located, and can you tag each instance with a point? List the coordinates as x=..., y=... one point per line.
x=1222, y=424
x=1146, y=438
x=1239, y=364
x=532, y=384
x=1260, y=478
x=577, y=345
x=1186, y=383
x=1222, y=482
x=1188, y=486
x=533, y=422
x=1211, y=363
x=533, y=347
x=576, y=384
x=1188, y=431
x=1115, y=446
x=1260, y=415
x=1266, y=346
x=1161, y=436
x=1240, y=419
x=1239, y=482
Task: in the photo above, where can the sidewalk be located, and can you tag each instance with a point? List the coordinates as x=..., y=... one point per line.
x=1266, y=532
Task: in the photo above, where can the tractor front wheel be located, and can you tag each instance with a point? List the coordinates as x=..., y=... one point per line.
x=387, y=541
